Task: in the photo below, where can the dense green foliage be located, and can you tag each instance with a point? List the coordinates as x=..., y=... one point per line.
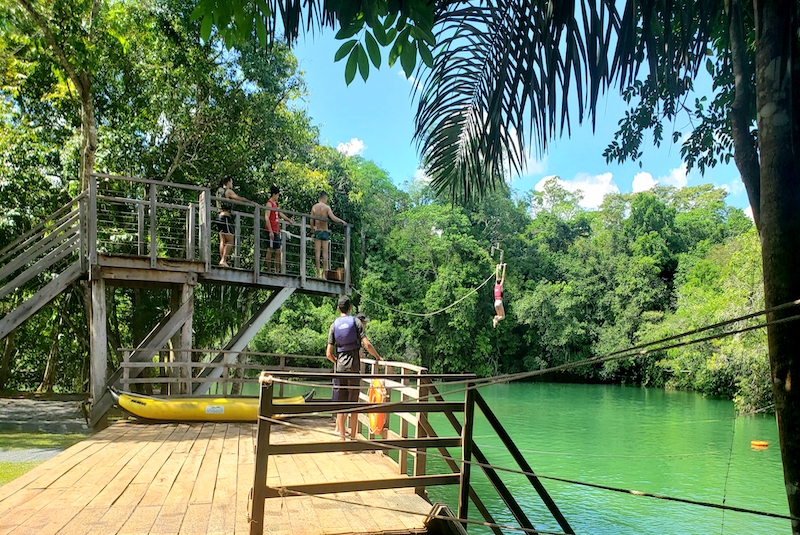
x=580, y=283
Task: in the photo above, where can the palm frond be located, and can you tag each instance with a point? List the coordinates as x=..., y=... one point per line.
x=509, y=74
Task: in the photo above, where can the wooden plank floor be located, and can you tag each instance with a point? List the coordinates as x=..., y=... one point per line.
x=194, y=479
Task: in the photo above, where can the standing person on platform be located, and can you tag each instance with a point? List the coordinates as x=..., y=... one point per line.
x=271, y=218
x=224, y=225
x=346, y=335
x=498, y=293
x=322, y=236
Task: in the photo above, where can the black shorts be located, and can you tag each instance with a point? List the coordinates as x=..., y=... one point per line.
x=276, y=243
x=224, y=224
x=345, y=394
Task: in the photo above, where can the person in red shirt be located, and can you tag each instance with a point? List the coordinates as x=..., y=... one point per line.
x=274, y=231
x=498, y=294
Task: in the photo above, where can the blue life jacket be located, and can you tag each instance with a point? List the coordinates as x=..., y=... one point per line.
x=345, y=334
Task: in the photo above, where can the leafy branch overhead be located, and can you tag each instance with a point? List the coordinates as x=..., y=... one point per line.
x=405, y=28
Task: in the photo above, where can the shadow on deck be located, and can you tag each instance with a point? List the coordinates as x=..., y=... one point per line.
x=195, y=479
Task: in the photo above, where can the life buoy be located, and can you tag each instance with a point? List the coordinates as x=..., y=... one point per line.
x=759, y=444
x=377, y=394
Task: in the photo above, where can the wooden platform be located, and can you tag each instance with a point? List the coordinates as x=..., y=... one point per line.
x=195, y=479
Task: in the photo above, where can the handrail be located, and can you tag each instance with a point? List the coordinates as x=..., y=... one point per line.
x=35, y=229
x=149, y=181
x=269, y=208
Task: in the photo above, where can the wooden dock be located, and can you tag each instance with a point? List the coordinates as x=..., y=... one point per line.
x=195, y=479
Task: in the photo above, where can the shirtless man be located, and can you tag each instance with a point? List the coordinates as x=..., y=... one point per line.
x=322, y=236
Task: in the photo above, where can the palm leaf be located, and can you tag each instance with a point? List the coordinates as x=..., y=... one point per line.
x=509, y=73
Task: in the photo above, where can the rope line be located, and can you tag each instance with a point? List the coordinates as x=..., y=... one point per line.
x=488, y=381
x=426, y=314
x=598, y=486
x=283, y=491
x=727, y=474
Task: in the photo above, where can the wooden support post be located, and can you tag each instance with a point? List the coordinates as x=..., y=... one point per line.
x=303, y=222
x=140, y=229
x=98, y=342
x=205, y=227
x=402, y=457
x=282, y=364
x=523, y=463
x=190, y=236
x=92, y=220
x=420, y=459
x=126, y=372
x=237, y=238
x=283, y=250
x=82, y=239
x=153, y=225
x=346, y=260
x=182, y=340
x=257, y=244
x=466, y=453
x=258, y=492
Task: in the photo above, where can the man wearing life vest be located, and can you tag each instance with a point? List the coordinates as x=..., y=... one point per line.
x=346, y=335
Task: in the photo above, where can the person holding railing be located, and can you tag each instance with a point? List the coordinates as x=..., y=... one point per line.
x=271, y=218
x=224, y=225
x=321, y=213
x=347, y=335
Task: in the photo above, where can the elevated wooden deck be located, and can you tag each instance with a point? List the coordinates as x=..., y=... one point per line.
x=195, y=479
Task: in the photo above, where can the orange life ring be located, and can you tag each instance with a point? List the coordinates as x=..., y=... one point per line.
x=377, y=394
x=759, y=443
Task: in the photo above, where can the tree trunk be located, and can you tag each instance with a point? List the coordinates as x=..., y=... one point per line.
x=776, y=81
x=88, y=131
x=5, y=363
x=49, y=379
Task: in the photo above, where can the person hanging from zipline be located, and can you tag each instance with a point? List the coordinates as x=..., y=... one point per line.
x=499, y=280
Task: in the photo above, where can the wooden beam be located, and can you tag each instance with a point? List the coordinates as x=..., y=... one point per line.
x=466, y=454
x=152, y=344
x=259, y=489
x=523, y=464
x=244, y=336
x=41, y=246
x=122, y=276
x=409, y=406
x=367, y=484
x=37, y=301
x=162, y=264
x=57, y=254
x=355, y=445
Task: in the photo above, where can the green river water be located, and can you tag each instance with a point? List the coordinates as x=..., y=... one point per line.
x=652, y=440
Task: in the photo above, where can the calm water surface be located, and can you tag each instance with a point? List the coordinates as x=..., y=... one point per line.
x=652, y=440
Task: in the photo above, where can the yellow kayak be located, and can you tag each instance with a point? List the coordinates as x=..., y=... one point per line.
x=196, y=409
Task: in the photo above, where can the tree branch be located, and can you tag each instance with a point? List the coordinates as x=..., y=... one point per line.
x=50, y=39
x=745, y=153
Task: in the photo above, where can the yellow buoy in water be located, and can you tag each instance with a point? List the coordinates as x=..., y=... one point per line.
x=759, y=444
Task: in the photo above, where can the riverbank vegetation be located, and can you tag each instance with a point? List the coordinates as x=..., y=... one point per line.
x=168, y=105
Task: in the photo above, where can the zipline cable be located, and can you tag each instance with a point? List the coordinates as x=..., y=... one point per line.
x=426, y=314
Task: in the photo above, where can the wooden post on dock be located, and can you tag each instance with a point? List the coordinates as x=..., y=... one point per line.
x=98, y=343
x=258, y=490
x=303, y=252
x=182, y=340
x=420, y=457
x=466, y=453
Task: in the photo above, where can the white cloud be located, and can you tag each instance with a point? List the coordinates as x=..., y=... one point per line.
x=734, y=187
x=749, y=212
x=421, y=176
x=676, y=177
x=354, y=147
x=411, y=79
x=593, y=187
x=643, y=181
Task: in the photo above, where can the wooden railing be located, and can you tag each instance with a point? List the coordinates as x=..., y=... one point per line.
x=167, y=375
x=428, y=400
x=130, y=216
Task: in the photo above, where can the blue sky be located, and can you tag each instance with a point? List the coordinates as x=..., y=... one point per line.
x=376, y=120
